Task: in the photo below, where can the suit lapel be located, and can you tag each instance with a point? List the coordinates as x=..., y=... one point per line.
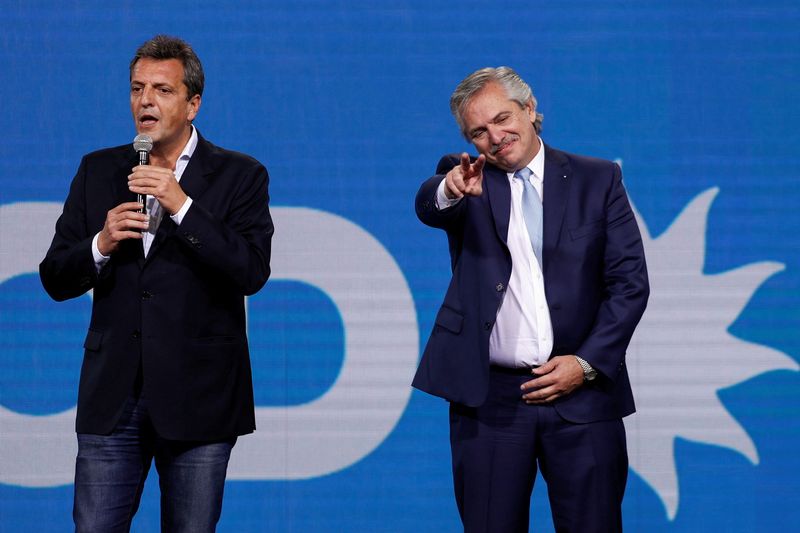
x=557, y=182
x=498, y=190
x=119, y=183
x=194, y=180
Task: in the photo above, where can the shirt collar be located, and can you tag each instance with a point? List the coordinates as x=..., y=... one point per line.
x=188, y=150
x=186, y=155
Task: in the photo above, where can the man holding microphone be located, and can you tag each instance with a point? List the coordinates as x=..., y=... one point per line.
x=166, y=369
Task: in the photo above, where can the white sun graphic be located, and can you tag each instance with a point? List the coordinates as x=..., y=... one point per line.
x=682, y=352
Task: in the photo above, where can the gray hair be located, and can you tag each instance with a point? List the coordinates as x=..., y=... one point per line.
x=162, y=47
x=515, y=88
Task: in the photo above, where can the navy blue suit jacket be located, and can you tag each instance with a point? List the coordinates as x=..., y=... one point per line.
x=594, y=275
x=177, y=316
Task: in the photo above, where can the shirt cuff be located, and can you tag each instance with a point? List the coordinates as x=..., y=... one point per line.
x=177, y=218
x=442, y=201
x=99, y=259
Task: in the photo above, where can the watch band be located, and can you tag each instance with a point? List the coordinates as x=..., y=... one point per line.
x=589, y=373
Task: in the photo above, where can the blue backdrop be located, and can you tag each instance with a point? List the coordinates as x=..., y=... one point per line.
x=346, y=105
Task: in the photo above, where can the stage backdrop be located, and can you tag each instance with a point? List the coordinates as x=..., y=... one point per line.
x=346, y=103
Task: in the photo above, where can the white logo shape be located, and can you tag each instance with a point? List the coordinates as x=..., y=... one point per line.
x=370, y=394
x=682, y=352
x=317, y=438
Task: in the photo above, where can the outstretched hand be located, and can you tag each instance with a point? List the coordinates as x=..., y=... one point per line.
x=466, y=179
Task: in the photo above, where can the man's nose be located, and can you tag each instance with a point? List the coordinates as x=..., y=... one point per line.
x=496, y=135
x=147, y=96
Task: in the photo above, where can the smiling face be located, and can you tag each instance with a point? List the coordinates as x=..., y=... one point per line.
x=500, y=128
x=160, y=104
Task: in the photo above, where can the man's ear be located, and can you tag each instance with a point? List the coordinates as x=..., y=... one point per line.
x=530, y=108
x=192, y=107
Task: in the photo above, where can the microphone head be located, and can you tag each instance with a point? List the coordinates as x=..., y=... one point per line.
x=143, y=143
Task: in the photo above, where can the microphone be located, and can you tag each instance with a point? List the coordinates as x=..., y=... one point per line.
x=143, y=144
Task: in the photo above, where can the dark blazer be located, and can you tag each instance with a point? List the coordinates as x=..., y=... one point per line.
x=594, y=274
x=177, y=316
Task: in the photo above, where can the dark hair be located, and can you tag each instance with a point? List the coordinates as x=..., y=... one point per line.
x=165, y=47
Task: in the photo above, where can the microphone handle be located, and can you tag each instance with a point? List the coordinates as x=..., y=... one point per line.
x=144, y=159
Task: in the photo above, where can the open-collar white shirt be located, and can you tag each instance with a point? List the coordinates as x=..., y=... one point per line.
x=523, y=334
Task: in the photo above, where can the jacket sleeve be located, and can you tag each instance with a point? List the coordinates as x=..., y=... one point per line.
x=68, y=269
x=237, y=245
x=425, y=203
x=626, y=286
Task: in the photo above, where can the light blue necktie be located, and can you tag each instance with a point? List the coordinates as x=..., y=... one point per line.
x=531, y=211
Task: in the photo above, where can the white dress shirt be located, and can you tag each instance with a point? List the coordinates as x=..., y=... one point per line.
x=523, y=334
x=154, y=208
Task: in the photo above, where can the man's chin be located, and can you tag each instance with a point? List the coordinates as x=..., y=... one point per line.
x=498, y=160
x=502, y=164
x=147, y=130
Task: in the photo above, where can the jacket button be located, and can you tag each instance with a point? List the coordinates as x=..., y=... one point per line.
x=499, y=287
x=487, y=325
x=136, y=334
x=195, y=241
x=146, y=295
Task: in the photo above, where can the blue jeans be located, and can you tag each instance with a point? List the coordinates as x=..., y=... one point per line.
x=110, y=472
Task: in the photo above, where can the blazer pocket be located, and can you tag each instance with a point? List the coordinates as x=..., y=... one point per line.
x=93, y=340
x=450, y=320
x=220, y=351
x=587, y=230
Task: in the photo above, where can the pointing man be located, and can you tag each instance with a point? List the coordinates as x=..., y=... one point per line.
x=549, y=282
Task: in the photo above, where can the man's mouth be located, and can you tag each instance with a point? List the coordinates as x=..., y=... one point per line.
x=505, y=143
x=147, y=120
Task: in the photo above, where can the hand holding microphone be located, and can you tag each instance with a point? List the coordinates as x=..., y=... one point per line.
x=154, y=180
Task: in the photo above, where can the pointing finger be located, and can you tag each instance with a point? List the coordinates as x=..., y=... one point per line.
x=465, y=166
x=477, y=167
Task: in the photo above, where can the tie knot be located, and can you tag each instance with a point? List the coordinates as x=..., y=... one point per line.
x=524, y=174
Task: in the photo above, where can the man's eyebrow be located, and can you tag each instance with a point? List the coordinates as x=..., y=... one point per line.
x=156, y=84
